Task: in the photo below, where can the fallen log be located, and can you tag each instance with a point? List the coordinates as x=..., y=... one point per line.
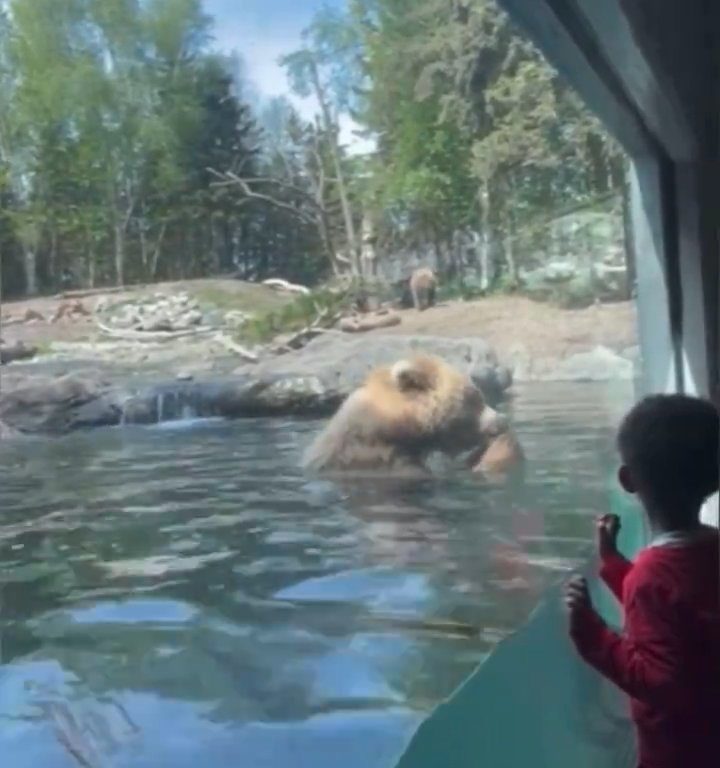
x=127, y=334
x=365, y=323
x=282, y=285
x=7, y=320
x=70, y=309
x=230, y=345
x=84, y=293
x=10, y=354
x=297, y=340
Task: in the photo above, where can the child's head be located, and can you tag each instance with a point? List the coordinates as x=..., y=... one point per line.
x=669, y=450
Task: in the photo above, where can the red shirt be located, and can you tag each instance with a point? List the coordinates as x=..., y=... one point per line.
x=668, y=658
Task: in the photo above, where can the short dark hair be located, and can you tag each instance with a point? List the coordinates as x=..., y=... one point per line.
x=670, y=444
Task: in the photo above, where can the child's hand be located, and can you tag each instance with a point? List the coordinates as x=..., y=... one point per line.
x=577, y=596
x=607, y=528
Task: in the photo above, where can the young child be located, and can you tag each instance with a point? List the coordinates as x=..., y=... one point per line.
x=668, y=657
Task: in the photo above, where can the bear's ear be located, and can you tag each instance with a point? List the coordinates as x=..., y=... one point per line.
x=407, y=375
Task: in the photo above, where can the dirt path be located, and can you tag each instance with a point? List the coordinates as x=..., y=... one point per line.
x=507, y=322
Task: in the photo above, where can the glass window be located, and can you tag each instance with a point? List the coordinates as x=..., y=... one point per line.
x=219, y=216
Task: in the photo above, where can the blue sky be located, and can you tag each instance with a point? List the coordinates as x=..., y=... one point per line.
x=261, y=31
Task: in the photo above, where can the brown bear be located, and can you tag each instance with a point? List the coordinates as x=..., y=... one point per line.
x=404, y=413
x=423, y=285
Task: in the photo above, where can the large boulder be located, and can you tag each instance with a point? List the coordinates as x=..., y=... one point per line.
x=7, y=432
x=56, y=404
x=597, y=364
x=10, y=353
x=340, y=363
x=310, y=382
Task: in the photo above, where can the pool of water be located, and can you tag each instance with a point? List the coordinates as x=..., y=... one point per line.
x=182, y=595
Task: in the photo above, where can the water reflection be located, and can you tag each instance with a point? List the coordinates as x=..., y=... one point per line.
x=171, y=596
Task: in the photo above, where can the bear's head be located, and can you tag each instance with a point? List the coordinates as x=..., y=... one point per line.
x=403, y=413
x=430, y=403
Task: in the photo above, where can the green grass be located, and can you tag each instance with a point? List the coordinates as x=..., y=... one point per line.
x=236, y=295
x=299, y=313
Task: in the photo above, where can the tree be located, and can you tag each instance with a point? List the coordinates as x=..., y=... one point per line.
x=325, y=68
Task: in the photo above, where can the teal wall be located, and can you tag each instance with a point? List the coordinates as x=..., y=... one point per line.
x=533, y=702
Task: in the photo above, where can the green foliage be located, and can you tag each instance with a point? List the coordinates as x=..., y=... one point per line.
x=115, y=117
x=465, y=288
x=298, y=314
x=116, y=109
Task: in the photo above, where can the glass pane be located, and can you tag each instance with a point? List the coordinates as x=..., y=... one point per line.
x=411, y=177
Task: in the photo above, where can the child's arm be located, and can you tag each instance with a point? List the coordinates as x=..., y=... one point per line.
x=613, y=570
x=614, y=567
x=646, y=662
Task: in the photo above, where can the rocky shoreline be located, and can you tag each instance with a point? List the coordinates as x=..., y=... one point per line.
x=58, y=397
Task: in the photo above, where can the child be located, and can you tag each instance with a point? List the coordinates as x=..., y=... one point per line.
x=668, y=658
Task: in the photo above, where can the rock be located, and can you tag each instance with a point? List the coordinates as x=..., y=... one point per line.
x=184, y=376
x=634, y=354
x=188, y=320
x=11, y=354
x=600, y=364
x=236, y=398
x=55, y=405
x=559, y=272
x=310, y=382
x=101, y=305
x=156, y=322
x=32, y=315
x=342, y=362
x=6, y=432
x=235, y=319
x=164, y=313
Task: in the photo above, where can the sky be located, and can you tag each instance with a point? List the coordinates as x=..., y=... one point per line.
x=263, y=30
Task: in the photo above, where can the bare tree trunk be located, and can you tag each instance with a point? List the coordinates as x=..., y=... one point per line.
x=91, y=267
x=155, y=258
x=510, y=256
x=368, y=256
x=323, y=225
x=143, y=248
x=30, y=269
x=122, y=222
x=52, y=258
x=119, y=254
x=486, y=275
x=215, y=240
x=332, y=129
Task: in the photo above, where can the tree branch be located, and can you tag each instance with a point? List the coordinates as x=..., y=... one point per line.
x=232, y=179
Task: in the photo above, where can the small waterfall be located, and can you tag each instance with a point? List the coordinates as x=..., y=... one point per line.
x=181, y=404
x=173, y=404
x=161, y=407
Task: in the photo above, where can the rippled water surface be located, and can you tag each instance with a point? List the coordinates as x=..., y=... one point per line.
x=182, y=595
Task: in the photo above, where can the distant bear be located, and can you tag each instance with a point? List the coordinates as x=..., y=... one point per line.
x=404, y=413
x=423, y=285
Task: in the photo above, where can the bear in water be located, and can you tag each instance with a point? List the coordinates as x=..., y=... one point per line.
x=423, y=285
x=404, y=413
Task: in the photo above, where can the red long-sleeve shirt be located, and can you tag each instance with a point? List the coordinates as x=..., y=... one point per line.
x=668, y=658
